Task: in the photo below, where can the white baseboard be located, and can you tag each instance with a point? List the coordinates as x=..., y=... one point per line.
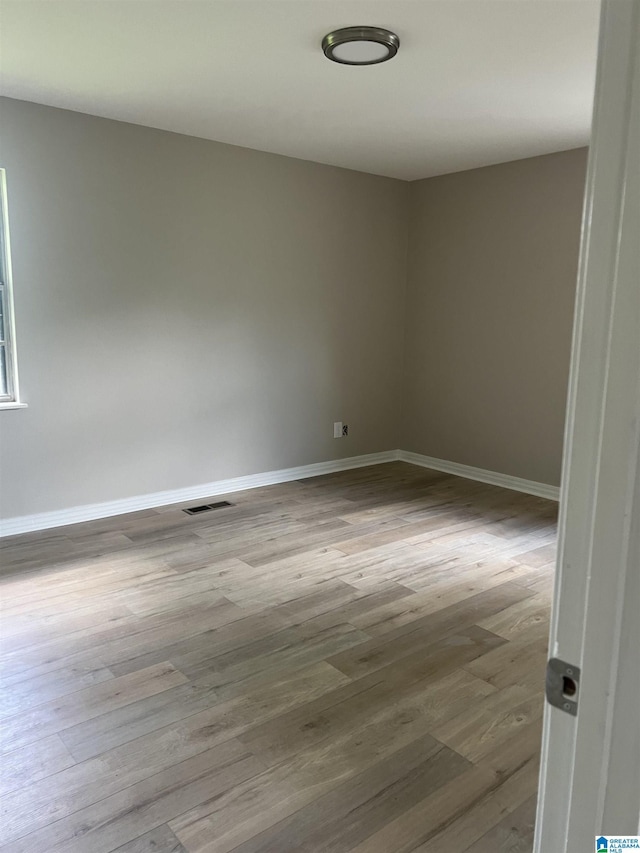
x=493, y=478
x=91, y=512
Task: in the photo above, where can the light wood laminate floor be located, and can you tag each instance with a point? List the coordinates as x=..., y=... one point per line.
x=352, y=663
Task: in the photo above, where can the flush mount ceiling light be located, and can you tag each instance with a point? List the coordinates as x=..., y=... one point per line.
x=360, y=45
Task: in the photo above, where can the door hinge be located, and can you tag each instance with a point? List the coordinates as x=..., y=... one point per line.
x=562, y=685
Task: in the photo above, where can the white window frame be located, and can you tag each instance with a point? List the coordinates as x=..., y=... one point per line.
x=10, y=400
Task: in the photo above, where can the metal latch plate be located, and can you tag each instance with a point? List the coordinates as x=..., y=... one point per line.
x=562, y=685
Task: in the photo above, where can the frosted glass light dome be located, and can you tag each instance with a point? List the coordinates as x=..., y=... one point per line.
x=360, y=52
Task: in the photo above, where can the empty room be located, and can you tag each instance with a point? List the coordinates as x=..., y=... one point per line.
x=318, y=373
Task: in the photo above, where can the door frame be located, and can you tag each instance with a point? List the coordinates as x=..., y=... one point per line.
x=590, y=768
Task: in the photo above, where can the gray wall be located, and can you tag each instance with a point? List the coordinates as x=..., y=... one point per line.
x=493, y=259
x=189, y=311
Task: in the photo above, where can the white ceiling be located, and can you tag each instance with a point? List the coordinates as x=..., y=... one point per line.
x=475, y=82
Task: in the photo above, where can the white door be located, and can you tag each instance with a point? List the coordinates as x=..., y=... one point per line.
x=590, y=776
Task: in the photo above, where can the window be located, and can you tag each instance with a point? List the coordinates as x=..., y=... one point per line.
x=9, y=397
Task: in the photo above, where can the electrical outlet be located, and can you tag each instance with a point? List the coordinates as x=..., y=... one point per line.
x=345, y=429
x=337, y=429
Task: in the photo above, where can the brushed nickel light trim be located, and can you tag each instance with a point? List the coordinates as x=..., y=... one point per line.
x=335, y=45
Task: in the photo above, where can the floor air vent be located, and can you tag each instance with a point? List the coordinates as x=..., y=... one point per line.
x=196, y=510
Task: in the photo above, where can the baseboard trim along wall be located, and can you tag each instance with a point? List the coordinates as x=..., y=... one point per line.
x=91, y=512
x=493, y=478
